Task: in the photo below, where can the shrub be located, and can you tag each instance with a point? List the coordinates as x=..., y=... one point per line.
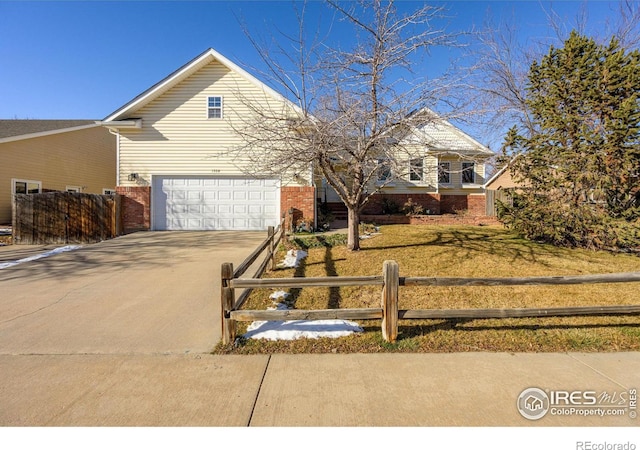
x=412, y=209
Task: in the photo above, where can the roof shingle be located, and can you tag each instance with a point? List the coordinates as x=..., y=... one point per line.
x=19, y=127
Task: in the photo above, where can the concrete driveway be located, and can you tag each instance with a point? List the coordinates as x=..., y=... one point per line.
x=154, y=292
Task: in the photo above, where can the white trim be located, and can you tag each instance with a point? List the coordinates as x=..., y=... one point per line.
x=111, y=191
x=448, y=171
x=221, y=107
x=46, y=133
x=420, y=180
x=70, y=188
x=20, y=180
x=473, y=172
x=117, y=124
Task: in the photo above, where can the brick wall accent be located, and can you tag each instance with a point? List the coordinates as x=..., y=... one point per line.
x=445, y=219
x=430, y=202
x=474, y=205
x=136, y=207
x=299, y=199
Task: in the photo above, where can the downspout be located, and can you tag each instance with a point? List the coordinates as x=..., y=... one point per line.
x=437, y=174
x=117, y=135
x=315, y=197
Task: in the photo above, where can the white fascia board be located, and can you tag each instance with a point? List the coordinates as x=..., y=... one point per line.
x=118, y=124
x=46, y=133
x=495, y=176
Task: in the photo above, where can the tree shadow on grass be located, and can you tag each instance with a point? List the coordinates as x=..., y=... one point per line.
x=461, y=243
x=334, y=299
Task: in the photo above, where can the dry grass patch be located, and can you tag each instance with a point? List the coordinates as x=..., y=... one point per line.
x=448, y=251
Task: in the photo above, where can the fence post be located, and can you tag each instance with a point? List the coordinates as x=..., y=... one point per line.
x=227, y=300
x=271, y=233
x=391, y=280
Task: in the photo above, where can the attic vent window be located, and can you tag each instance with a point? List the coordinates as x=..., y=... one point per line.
x=214, y=107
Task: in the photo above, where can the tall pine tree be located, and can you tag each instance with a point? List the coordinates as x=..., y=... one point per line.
x=580, y=167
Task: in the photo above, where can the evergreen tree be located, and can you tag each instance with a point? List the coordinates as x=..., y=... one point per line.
x=579, y=167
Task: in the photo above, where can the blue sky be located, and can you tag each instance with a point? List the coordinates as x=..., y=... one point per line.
x=85, y=59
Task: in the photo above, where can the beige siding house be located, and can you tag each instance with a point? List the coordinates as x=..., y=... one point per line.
x=177, y=166
x=54, y=155
x=443, y=171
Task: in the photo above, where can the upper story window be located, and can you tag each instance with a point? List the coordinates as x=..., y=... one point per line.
x=384, y=170
x=468, y=173
x=416, y=169
x=444, y=173
x=26, y=187
x=214, y=107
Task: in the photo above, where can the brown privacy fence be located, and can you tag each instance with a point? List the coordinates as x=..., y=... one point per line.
x=389, y=313
x=493, y=197
x=65, y=217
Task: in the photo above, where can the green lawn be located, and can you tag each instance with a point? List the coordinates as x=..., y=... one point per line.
x=463, y=251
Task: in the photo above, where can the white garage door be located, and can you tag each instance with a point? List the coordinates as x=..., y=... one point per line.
x=214, y=203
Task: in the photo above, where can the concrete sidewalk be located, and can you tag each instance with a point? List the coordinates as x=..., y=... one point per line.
x=417, y=390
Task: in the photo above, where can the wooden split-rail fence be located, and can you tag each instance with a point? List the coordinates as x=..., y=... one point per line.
x=389, y=282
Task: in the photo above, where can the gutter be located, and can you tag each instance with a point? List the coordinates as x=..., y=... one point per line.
x=117, y=124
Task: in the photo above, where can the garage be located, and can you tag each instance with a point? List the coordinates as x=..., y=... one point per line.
x=214, y=203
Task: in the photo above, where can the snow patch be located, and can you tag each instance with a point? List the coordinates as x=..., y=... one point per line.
x=55, y=251
x=279, y=295
x=289, y=330
x=293, y=258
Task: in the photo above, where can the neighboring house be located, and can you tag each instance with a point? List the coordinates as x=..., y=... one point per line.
x=500, y=180
x=54, y=155
x=175, y=167
x=177, y=172
x=497, y=189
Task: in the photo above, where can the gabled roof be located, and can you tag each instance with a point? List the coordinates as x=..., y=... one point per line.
x=181, y=74
x=443, y=136
x=18, y=129
x=440, y=136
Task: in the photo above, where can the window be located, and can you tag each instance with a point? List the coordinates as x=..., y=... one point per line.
x=444, y=173
x=416, y=169
x=214, y=108
x=74, y=189
x=468, y=173
x=384, y=170
x=107, y=191
x=26, y=187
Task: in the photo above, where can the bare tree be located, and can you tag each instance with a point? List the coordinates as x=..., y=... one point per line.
x=503, y=62
x=357, y=108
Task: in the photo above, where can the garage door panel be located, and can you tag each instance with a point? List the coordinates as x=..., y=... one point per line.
x=213, y=203
x=240, y=210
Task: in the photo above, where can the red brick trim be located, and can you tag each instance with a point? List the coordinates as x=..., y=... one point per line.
x=136, y=207
x=474, y=205
x=298, y=203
